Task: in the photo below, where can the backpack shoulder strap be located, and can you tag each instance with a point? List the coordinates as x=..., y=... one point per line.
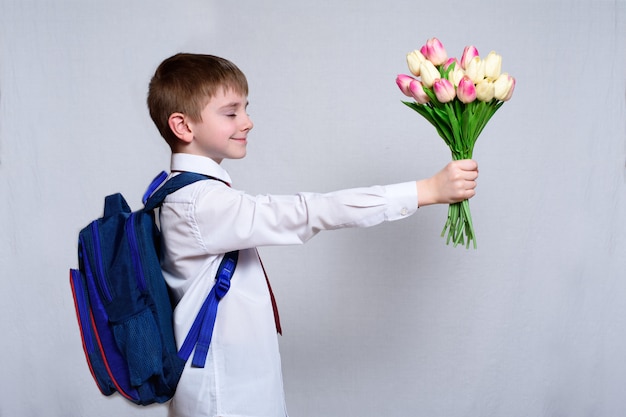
x=173, y=184
x=200, y=334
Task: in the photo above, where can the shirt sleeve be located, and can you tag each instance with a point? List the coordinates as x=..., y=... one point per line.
x=224, y=219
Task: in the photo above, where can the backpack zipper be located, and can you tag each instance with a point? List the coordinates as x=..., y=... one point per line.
x=100, y=276
x=131, y=233
x=80, y=298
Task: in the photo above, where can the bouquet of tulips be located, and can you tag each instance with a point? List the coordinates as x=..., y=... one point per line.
x=458, y=98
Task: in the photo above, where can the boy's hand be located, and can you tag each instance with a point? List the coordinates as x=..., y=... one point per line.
x=456, y=182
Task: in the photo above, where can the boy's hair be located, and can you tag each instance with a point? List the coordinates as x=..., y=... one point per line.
x=184, y=83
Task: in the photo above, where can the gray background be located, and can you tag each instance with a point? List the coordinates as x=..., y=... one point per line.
x=387, y=321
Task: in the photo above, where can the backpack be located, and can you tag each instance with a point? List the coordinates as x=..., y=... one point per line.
x=123, y=307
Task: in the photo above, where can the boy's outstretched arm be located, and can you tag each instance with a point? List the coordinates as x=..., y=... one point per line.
x=456, y=182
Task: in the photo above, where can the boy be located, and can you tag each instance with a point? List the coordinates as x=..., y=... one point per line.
x=198, y=103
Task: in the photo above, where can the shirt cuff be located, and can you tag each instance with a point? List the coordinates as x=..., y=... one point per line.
x=402, y=200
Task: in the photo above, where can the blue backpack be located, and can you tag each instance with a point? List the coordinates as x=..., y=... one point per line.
x=123, y=306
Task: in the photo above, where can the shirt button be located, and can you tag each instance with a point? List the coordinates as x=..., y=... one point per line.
x=404, y=211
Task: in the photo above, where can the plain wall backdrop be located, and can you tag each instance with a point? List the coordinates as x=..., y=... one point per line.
x=387, y=321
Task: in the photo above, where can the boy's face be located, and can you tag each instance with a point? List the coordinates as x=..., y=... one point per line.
x=222, y=132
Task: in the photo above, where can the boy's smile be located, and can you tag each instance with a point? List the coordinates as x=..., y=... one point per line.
x=223, y=129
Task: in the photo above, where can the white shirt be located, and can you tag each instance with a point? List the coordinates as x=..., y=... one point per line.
x=242, y=376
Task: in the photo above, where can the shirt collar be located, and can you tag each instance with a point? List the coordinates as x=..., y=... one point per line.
x=200, y=164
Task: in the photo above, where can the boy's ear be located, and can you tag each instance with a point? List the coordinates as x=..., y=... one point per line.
x=180, y=128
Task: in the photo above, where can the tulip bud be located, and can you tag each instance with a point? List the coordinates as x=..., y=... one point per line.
x=485, y=90
x=510, y=93
x=493, y=65
x=424, y=51
x=434, y=51
x=476, y=69
x=417, y=92
x=403, y=82
x=449, y=63
x=466, y=91
x=503, y=87
x=429, y=73
x=468, y=54
x=456, y=75
x=414, y=59
x=444, y=90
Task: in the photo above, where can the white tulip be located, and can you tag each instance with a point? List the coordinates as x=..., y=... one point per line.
x=485, y=90
x=493, y=65
x=414, y=59
x=476, y=69
x=429, y=73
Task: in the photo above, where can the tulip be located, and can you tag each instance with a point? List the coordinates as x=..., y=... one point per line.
x=510, y=93
x=466, y=91
x=444, y=90
x=403, y=82
x=468, y=54
x=449, y=63
x=417, y=92
x=429, y=73
x=434, y=51
x=503, y=87
x=493, y=65
x=476, y=69
x=414, y=59
x=456, y=75
x=485, y=90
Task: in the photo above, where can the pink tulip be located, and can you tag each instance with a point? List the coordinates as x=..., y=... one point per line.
x=466, y=91
x=434, y=51
x=444, y=90
x=449, y=62
x=403, y=82
x=417, y=92
x=468, y=53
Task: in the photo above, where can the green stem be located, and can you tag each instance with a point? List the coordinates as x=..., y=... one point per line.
x=459, y=125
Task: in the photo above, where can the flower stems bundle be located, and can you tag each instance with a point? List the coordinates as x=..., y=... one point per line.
x=458, y=98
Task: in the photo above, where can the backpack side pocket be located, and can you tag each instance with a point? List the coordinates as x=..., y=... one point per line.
x=88, y=336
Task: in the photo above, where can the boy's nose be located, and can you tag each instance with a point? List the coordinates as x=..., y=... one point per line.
x=247, y=125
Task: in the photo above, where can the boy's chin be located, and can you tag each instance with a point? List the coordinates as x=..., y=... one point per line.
x=238, y=156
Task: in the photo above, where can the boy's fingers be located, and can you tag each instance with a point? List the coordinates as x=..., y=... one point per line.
x=467, y=164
